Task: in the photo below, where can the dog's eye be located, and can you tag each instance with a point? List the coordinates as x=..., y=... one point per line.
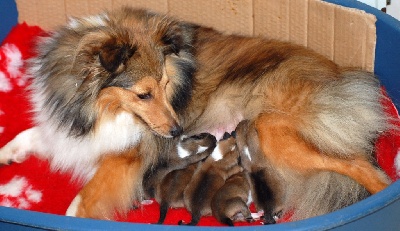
x=144, y=96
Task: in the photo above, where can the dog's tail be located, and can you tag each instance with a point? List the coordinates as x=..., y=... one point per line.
x=347, y=118
x=348, y=115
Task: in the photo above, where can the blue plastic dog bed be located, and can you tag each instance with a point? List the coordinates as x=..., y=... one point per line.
x=378, y=212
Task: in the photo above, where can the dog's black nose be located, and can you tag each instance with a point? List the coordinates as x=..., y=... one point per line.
x=176, y=131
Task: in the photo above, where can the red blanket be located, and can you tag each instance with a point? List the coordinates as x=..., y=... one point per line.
x=32, y=186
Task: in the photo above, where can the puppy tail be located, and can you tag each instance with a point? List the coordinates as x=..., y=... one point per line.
x=227, y=221
x=195, y=220
x=325, y=192
x=163, y=212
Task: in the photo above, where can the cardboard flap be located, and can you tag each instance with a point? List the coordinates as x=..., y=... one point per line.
x=347, y=36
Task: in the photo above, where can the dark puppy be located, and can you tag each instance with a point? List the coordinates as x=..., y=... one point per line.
x=170, y=191
x=173, y=178
x=268, y=186
x=209, y=177
x=186, y=151
x=230, y=203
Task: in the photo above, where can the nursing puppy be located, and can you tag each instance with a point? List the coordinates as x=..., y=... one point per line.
x=167, y=182
x=170, y=192
x=231, y=202
x=209, y=177
x=187, y=151
x=268, y=186
x=110, y=90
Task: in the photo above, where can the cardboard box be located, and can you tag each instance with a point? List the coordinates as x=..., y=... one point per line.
x=346, y=35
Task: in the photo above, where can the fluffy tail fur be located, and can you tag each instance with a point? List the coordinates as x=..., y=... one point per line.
x=350, y=115
x=349, y=119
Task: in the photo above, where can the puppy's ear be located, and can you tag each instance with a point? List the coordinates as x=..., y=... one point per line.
x=112, y=56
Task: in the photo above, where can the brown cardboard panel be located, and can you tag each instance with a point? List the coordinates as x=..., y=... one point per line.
x=369, y=62
x=40, y=12
x=298, y=21
x=230, y=16
x=160, y=6
x=344, y=35
x=271, y=19
x=85, y=7
x=321, y=31
x=352, y=41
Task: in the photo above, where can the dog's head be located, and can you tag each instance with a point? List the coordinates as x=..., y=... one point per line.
x=130, y=61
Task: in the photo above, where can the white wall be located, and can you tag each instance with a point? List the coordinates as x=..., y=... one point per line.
x=376, y=3
x=393, y=9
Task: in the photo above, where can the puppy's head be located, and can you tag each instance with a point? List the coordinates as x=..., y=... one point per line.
x=195, y=144
x=127, y=61
x=248, y=144
x=226, y=150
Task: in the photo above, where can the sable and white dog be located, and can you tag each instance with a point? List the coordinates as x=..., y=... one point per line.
x=110, y=92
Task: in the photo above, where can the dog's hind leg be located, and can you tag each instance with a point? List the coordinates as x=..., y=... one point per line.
x=282, y=144
x=18, y=149
x=112, y=188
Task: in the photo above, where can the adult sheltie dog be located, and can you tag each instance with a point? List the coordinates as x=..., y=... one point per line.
x=111, y=91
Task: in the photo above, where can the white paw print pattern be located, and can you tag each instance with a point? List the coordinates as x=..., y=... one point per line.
x=11, y=63
x=10, y=67
x=18, y=193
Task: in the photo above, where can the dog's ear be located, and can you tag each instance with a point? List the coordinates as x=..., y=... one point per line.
x=112, y=55
x=173, y=39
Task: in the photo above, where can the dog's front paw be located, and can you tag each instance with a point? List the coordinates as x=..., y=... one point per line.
x=18, y=149
x=11, y=153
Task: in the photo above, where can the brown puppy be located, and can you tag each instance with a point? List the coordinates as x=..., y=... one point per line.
x=209, y=177
x=170, y=179
x=187, y=151
x=230, y=202
x=113, y=89
x=171, y=189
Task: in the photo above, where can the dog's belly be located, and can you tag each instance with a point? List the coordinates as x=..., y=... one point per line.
x=219, y=117
x=226, y=107
x=216, y=129
x=219, y=130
